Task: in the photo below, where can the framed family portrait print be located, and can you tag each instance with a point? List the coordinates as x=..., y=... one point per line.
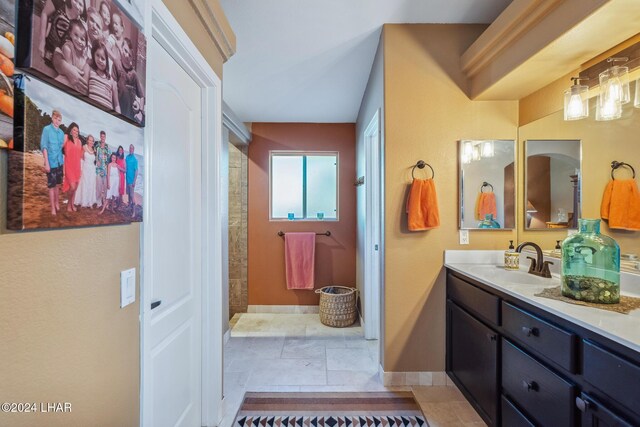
x=73, y=164
x=88, y=48
x=7, y=40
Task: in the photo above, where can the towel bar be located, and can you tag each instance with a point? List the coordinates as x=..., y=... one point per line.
x=326, y=233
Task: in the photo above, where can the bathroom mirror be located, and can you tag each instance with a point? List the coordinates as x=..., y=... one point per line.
x=602, y=143
x=552, y=183
x=487, y=184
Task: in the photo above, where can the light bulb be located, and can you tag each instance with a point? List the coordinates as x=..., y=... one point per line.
x=608, y=109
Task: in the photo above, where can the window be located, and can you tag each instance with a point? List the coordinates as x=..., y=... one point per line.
x=304, y=185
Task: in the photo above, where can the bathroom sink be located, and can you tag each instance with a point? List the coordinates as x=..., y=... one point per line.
x=497, y=273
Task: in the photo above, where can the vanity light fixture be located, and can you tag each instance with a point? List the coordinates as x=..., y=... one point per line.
x=636, y=102
x=576, y=101
x=488, y=149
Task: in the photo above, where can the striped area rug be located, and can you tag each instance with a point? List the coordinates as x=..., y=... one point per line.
x=383, y=409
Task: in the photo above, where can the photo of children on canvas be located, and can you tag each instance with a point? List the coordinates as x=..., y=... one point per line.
x=90, y=47
x=7, y=52
x=65, y=177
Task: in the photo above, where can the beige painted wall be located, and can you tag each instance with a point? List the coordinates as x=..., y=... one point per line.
x=426, y=113
x=64, y=337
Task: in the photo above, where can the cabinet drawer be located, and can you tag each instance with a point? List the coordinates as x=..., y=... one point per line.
x=594, y=414
x=474, y=299
x=512, y=417
x=540, y=392
x=539, y=336
x=615, y=376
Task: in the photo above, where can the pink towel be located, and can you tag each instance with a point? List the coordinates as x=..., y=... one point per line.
x=299, y=259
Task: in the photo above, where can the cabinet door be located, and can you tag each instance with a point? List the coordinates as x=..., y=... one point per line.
x=472, y=355
x=596, y=415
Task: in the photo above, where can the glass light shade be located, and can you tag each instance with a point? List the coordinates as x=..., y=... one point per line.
x=466, y=159
x=468, y=149
x=487, y=149
x=476, y=153
x=636, y=102
x=608, y=109
x=576, y=102
x=614, y=84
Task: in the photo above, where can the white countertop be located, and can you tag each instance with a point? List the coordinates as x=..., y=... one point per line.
x=486, y=267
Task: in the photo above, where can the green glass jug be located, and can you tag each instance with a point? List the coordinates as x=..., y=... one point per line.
x=591, y=265
x=488, y=222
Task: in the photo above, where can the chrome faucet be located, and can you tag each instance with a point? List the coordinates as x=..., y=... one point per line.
x=538, y=266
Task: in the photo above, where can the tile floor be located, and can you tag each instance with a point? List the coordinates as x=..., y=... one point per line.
x=295, y=352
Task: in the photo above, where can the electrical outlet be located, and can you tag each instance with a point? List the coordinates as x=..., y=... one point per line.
x=464, y=237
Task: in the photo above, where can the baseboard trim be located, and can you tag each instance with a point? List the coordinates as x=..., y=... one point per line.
x=284, y=309
x=424, y=378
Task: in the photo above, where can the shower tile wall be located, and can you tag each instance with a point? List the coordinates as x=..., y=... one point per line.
x=237, y=229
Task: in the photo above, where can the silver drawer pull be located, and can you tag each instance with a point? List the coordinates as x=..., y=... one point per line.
x=583, y=404
x=530, y=385
x=530, y=331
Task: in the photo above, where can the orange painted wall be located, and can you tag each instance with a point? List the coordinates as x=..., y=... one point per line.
x=335, y=255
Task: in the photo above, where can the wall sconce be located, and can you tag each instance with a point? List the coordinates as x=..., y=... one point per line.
x=636, y=102
x=576, y=101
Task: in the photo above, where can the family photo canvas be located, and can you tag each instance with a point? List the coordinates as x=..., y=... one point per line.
x=88, y=48
x=7, y=41
x=73, y=164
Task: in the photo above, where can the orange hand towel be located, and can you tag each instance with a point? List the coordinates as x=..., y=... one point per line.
x=486, y=204
x=422, y=205
x=621, y=204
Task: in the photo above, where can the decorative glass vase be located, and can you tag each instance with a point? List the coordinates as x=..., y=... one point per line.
x=488, y=222
x=591, y=265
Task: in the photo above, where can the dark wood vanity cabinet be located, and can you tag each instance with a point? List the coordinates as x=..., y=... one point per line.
x=519, y=365
x=474, y=358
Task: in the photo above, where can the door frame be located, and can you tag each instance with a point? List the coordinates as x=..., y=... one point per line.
x=373, y=172
x=170, y=35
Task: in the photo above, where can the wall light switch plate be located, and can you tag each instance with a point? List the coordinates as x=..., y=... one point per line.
x=464, y=237
x=127, y=287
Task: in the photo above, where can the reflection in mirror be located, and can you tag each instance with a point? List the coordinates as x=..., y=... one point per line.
x=552, y=177
x=487, y=184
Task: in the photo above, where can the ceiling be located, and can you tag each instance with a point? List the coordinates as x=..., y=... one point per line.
x=309, y=60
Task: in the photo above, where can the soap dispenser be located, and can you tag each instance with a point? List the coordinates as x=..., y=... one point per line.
x=511, y=258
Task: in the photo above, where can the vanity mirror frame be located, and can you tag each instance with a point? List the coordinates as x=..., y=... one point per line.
x=461, y=186
x=576, y=215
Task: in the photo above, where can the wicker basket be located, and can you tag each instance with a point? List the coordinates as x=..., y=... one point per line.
x=337, y=306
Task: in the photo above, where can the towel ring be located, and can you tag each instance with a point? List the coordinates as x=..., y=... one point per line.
x=615, y=165
x=486, y=184
x=420, y=165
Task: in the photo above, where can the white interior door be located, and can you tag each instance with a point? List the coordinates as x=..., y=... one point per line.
x=172, y=339
x=372, y=239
